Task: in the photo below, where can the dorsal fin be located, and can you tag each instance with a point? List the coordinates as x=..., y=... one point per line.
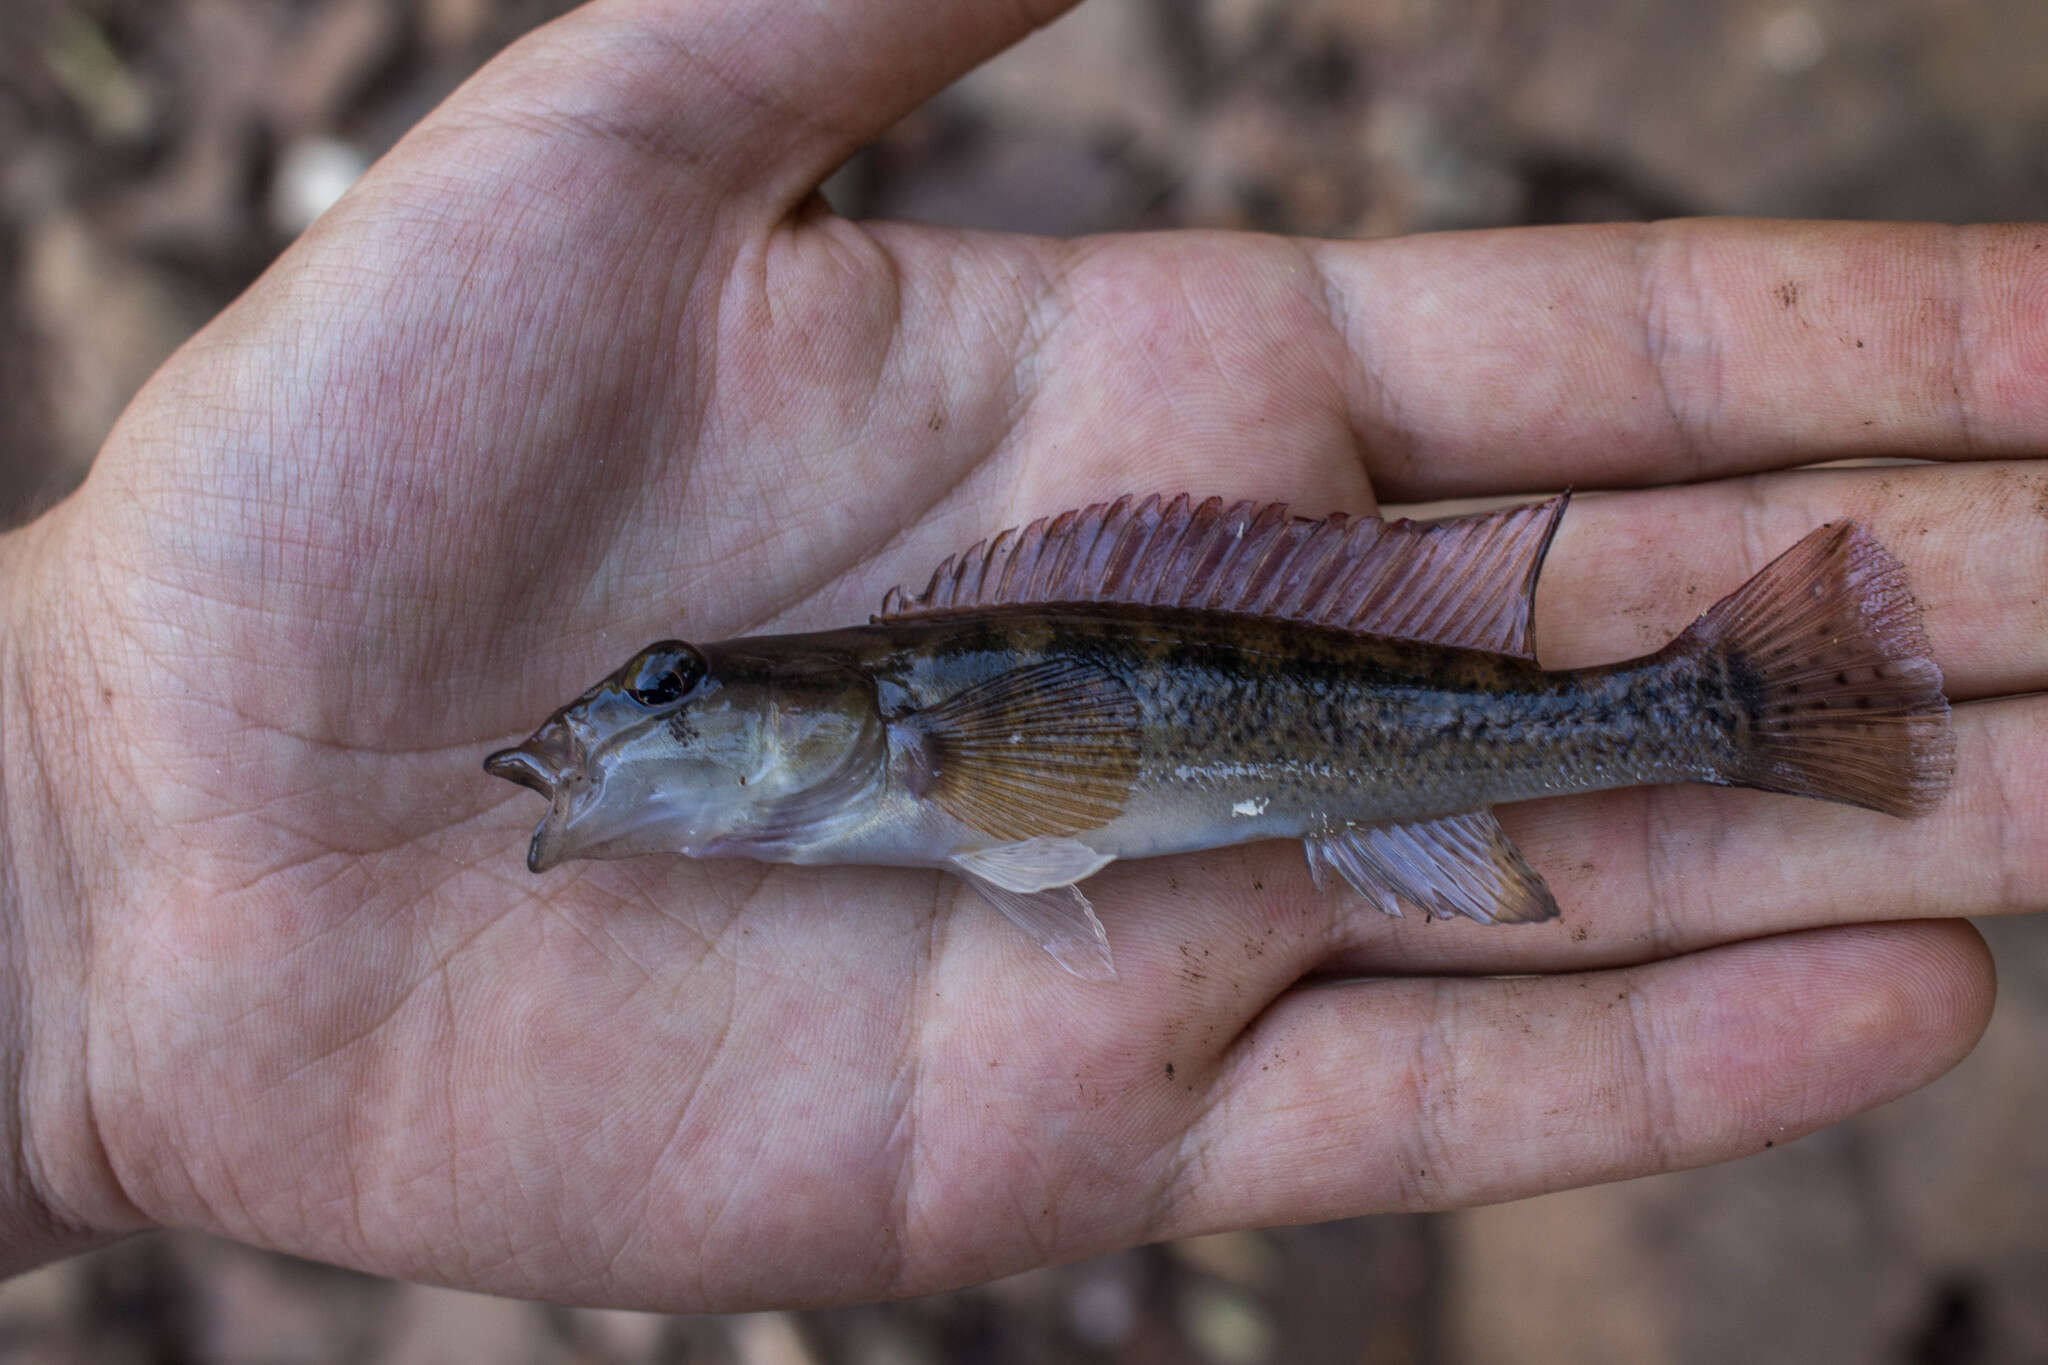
x=1465, y=581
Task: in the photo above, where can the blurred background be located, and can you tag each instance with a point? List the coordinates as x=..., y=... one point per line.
x=156, y=154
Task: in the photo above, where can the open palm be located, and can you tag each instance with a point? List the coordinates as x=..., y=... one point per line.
x=584, y=364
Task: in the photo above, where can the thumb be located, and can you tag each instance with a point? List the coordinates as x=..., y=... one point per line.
x=765, y=98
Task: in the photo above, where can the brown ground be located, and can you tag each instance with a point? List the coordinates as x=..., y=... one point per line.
x=142, y=145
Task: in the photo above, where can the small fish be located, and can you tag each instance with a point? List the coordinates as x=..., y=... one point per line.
x=1146, y=677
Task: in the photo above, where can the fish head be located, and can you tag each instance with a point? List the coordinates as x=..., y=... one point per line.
x=699, y=751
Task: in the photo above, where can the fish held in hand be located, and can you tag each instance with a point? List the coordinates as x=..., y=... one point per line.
x=1147, y=677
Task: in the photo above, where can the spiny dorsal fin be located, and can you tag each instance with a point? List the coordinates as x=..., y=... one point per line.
x=1043, y=751
x=1464, y=581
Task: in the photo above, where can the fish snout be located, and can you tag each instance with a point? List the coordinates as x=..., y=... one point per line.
x=543, y=763
x=517, y=765
x=552, y=763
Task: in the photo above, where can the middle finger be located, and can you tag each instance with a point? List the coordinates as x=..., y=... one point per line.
x=1646, y=872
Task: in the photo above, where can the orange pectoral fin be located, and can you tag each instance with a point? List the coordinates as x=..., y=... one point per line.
x=1047, y=750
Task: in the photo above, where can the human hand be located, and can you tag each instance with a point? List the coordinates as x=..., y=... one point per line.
x=583, y=363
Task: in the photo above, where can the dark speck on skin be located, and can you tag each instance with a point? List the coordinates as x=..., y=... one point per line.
x=1787, y=294
x=1169, y=1071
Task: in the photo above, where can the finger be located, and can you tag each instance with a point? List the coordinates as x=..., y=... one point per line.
x=1365, y=1097
x=1467, y=363
x=761, y=99
x=1650, y=872
x=1624, y=355
x=1629, y=572
x=1640, y=875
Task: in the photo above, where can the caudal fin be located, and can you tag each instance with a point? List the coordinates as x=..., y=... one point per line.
x=1826, y=656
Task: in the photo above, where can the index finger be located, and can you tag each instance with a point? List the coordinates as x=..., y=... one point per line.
x=1633, y=354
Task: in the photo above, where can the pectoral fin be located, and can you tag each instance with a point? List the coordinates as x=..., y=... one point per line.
x=1045, y=750
x=1458, y=865
x=1059, y=920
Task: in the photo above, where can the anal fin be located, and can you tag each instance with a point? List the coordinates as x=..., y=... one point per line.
x=1457, y=865
x=1059, y=920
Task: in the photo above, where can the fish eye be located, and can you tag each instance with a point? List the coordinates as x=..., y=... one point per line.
x=663, y=673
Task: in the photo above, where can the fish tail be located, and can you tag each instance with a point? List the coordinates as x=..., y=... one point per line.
x=1835, y=690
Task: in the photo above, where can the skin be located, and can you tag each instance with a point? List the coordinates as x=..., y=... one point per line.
x=583, y=364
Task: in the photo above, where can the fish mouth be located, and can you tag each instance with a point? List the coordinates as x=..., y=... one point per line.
x=548, y=764
x=544, y=763
x=522, y=766
x=599, y=805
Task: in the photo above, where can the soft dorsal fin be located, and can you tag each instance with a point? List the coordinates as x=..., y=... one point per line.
x=1464, y=581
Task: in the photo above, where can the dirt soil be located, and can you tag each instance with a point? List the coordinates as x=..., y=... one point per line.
x=156, y=154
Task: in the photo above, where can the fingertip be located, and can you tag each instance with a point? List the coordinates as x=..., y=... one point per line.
x=1945, y=984
x=1843, y=1019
